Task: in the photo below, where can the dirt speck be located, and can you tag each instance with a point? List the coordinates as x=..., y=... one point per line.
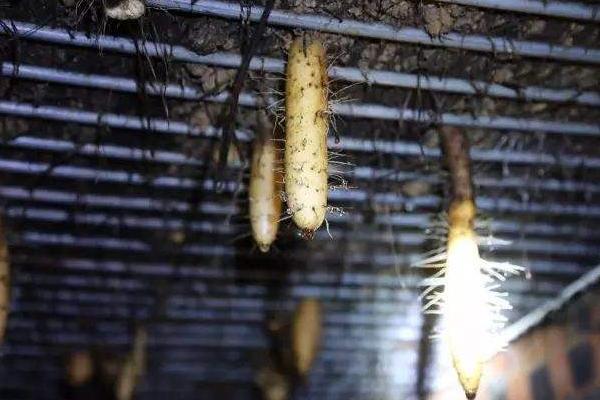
x=211, y=79
x=438, y=20
x=212, y=35
x=502, y=75
x=535, y=27
x=416, y=188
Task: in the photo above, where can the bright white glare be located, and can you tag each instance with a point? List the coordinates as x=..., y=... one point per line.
x=464, y=292
x=465, y=312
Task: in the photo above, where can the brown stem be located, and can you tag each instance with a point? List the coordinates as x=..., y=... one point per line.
x=229, y=117
x=455, y=147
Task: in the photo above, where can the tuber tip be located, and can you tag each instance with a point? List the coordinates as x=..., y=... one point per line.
x=263, y=247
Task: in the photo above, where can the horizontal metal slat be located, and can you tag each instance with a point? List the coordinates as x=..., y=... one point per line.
x=547, y=8
x=371, y=77
x=376, y=30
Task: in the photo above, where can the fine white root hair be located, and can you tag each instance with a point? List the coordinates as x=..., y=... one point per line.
x=491, y=273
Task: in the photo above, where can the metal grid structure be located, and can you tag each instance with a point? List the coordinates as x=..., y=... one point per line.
x=109, y=192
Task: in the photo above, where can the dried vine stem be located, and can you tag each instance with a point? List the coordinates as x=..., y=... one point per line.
x=228, y=117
